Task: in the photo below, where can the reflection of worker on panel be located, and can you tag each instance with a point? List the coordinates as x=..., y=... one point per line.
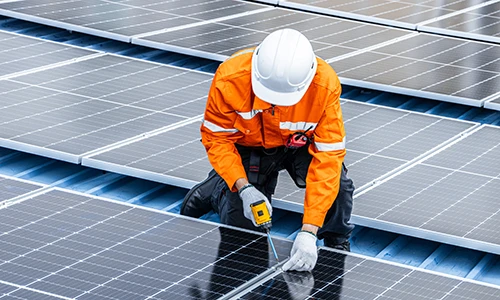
x=271, y=108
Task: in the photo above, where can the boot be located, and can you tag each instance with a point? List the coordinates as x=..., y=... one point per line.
x=345, y=246
x=197, y=201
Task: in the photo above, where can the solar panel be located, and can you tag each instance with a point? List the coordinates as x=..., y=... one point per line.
x=406, y=14
x=199, y=9
x=349, y=276
x=450, y=197
x=78, y=108
x=481, y=23
x=330, y=37
x=175, y=157
x=15, y=292
x=121, y=20
x=365, y=55
x=380, y=141
x=80, y=247
x=14, y=187
x=428, y=66
x=20, y=54
x=493, y=104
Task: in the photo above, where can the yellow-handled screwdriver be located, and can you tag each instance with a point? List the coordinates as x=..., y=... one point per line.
x=263, y=219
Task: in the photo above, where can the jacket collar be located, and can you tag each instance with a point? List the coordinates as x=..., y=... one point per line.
x=259, y=104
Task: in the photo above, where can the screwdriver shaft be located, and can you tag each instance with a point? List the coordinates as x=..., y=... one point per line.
x=272, y=245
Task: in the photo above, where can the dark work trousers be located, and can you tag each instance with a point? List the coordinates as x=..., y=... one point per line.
x=336, y=228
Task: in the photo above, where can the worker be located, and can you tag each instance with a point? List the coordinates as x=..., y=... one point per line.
x=271, y=108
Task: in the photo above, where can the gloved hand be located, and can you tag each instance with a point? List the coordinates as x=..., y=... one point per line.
x=249, y=195
x=299, y=285
x=304, y=253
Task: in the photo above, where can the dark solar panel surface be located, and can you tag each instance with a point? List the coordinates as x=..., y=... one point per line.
x=341, y=276
x=20, y=54
x=79, y=247
x=451, y=196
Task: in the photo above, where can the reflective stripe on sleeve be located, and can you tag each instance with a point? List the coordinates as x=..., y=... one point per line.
x=216, y=128
x=330, y=146
x=294, y=126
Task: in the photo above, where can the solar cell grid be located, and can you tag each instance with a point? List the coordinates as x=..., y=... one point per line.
x=330, y=37
x=10, y=292
x=68, y=245
x=481, y=23
x=89, y=248
x=379, y=141
x=442, y=68
x=406, y=14
x=11, y=188
x=129, y=82
x=67, y=111
x=21, y=54
x=204, y=10
x=449, y=197
x=341, y=276
x=175, y=157
x=122, y=19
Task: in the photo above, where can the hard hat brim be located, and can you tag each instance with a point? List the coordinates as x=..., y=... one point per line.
x=277, y=98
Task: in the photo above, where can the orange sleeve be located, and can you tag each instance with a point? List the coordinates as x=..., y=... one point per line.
x=218, y=134
x=328, y=151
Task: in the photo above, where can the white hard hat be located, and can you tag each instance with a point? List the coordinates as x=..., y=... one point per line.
x=283, y=67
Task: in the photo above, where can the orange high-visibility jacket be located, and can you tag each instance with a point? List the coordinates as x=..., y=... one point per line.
x=235, y=115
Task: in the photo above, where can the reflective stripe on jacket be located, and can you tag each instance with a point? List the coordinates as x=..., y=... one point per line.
x=235, y=115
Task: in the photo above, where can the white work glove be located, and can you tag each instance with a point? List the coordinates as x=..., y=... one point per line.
x=249, y=195
x=304, y=253
x=299, y=285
